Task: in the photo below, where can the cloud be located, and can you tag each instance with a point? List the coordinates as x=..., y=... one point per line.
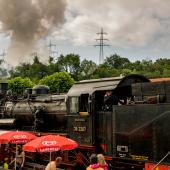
x=27, y=22
x=129, y=23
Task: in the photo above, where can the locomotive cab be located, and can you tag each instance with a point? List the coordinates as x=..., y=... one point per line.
x=85, y=104
x=133, y=134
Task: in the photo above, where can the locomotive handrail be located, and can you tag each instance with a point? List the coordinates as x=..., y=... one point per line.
x=160, y=160
x=147, y=123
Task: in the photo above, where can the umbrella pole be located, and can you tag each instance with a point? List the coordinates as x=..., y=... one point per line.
x=50, y=160
x=16, y=157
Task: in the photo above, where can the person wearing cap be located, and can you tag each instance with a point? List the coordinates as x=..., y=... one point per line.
x=109, y=100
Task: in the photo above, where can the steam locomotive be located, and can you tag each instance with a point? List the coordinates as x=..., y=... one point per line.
x=132, y=135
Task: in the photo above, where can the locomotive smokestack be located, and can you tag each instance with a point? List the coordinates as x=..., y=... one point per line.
x=27, y=21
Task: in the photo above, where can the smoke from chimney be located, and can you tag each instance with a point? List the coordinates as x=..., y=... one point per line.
x=27, y=21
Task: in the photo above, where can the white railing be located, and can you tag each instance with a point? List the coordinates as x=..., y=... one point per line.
x=160, y=160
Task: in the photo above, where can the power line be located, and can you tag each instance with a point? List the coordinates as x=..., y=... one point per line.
x=101, y=45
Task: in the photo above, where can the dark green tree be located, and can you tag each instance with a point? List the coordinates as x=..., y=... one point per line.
x=102, y=71
x=162, y=64
x=34, y=71
x=116, y=62
x=52, y=66
x=22, y=70
x=87, y=69
x=70, y=63
x=38, y=70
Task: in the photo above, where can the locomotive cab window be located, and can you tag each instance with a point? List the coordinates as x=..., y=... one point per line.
x=83, y=104
x=73, y=102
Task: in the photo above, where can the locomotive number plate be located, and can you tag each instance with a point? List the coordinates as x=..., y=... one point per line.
x=79, y=128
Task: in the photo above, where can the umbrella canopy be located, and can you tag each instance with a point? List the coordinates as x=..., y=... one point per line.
x=16, y=137
x=50, y=143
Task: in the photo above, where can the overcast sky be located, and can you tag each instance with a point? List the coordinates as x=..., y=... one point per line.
x=136, y=29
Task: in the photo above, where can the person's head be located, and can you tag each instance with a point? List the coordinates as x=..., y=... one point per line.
x=19, y=149
x=109, y=92
x=6, y=160
x=101, y=159
x=58, y=160
x=93, y=159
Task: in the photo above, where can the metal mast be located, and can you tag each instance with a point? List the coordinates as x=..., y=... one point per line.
x=101, y=45
x=51, y=51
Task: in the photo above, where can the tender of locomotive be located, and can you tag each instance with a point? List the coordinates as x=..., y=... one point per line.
x=130, y=135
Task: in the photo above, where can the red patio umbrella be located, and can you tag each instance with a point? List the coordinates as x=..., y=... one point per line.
x=16, y=137
x=50, y=143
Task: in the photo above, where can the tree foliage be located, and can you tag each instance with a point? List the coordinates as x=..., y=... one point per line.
x=117, y=62
x=19, y=84
x=34, y=71
x=70, y=63
x=87, y=69
x=3, y=70
x=58, y=82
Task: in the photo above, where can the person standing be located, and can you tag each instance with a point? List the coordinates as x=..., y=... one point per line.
x=5, y=165
x=109, y=100
x=19, y=160
x=53, y=164
x=94, y=163
x=102, y=162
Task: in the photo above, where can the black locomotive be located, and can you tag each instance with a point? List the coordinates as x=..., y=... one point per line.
x=131, y=133
x=36, y=110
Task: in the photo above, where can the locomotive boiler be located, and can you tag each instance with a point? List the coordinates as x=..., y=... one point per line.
x=36, y=110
